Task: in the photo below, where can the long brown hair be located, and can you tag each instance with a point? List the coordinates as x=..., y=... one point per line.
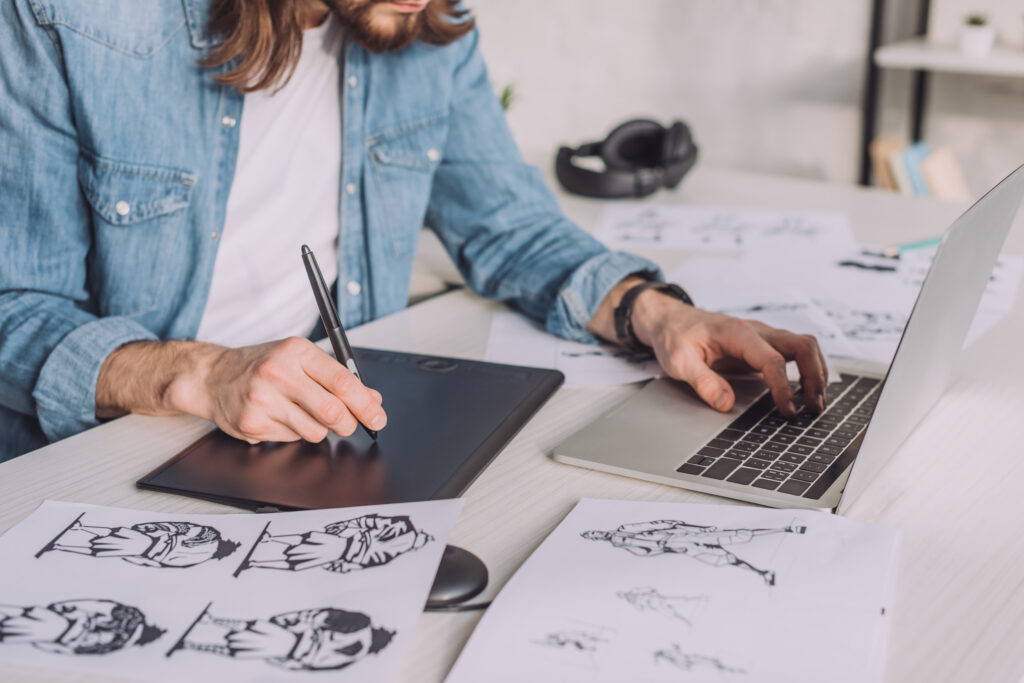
x=265, y=36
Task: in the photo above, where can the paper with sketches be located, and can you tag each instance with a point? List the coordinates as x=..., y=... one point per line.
x=241, y=597
x=867, y=296
x=517, y=340
x=681, y=226
x=635, y=591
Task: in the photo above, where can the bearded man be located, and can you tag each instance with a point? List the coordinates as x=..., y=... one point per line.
x=161, y=162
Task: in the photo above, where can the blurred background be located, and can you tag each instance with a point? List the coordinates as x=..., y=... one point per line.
x=772, y=86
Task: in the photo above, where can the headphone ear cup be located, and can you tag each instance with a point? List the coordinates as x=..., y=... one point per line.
x=626, y=146
x=674, y=142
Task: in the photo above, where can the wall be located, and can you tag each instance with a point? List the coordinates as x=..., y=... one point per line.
x=767, y=85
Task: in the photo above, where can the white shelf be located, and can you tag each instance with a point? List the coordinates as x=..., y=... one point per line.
x=920, y=54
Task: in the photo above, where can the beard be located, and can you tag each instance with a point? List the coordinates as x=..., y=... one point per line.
x=374, y=30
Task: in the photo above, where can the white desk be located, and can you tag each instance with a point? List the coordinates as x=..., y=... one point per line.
x=953, y=488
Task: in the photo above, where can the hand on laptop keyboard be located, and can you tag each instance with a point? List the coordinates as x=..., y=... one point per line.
x=691, y=344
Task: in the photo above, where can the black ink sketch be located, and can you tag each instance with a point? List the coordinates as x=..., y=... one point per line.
x=862, y=325
x=320, y=639
x=793, y=226
x=675, y=656
x=349, y=545
x=679, y=607
x=151, y=544
x=703, y=543
x=860, y=265
x=646, y=226
x=576, y=640
x=727, y=228
x=76, y=627
x=628, y=356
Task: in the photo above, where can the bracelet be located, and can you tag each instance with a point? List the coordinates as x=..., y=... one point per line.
x=624, y=331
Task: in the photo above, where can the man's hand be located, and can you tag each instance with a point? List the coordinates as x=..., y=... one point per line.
x=278, y=391
x=691, y=344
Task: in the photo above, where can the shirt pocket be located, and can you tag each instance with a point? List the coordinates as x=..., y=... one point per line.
x=404, y=159
x=138, y=214
x=138, y=28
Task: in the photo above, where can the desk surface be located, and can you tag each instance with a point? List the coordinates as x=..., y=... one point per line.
x=953, y=488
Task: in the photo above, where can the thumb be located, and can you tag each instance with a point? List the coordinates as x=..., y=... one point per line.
x=708, y=384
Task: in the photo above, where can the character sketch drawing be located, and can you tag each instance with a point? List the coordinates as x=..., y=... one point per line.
x=686, y=661
x=320, y=639
x=150, y=544
x=679, y=607
x=76, y=627
x=706, y=544
x=350, y=545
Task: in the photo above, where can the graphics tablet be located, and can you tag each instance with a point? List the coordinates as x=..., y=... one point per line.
x=447, y=419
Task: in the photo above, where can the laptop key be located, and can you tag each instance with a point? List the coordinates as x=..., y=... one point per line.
x=745, y=446
x=730, y=435
x=793, y=488
x=783, y=467
x=800, y=450
x=828, y=450
x=738, y=455
x=755, y=438
x=837, y=441
x=711, y=452
x=721, y=469
x=764, y=454
x=815, y=467
x=801, y=475
x=744, y=475
x=776, y=475
x=772, y=446
x=791, y=431
x=758, y=464
x=690, y=469
x=792, y=457
x=766, y=484
x=817, y=433
x=782, y=438
x=822, y=458
x=720, y=443
x=808, y=441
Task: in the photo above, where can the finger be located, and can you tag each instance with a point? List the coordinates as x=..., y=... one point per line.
x=741, y=340
x=302, y=423
x=708, y=384
x=259, y=428
x=377, y=396
x=336, y=379
x=813, y=373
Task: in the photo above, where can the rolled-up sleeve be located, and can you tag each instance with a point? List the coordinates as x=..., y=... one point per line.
x=52, y=344
x=502, y=225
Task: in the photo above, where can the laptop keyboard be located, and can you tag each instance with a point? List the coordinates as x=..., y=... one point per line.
x=802, y=455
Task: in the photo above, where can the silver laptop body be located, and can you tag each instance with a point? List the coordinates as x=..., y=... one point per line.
x=659, y=433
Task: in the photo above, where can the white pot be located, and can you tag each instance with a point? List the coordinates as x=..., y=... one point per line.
x=977, y=41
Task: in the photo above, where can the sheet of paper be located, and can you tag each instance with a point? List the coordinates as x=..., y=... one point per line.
x=517, y=340
x=868, y=297
x=681, y=226
x=239, y=597
x=637, y=591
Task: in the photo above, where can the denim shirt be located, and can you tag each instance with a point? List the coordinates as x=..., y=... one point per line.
x=117, y=153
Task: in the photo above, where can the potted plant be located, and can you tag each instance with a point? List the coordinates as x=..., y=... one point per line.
x=977, y=36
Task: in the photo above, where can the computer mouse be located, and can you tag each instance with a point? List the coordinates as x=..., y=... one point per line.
x=461, y=576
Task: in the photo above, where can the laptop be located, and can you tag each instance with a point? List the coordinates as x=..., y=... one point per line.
x=666, y=434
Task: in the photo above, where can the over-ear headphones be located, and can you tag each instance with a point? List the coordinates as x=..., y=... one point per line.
x=640, y=156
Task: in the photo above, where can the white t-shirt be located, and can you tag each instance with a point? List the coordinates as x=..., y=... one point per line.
x=285, y=194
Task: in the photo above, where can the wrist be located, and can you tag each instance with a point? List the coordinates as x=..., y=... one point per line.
x=187, y=388
x=650, y=311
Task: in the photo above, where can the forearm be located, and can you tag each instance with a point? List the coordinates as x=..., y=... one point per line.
x=156, y=378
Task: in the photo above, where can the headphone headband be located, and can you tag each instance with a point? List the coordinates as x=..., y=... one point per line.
x=640, y=156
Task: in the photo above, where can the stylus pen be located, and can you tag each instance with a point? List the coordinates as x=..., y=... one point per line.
x=329, y=316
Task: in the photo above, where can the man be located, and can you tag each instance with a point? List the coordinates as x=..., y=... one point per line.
x=149, y=544
x=705, y=544
x=350, y=545
x=76, y=627
x=150, y=229
x=320, y=639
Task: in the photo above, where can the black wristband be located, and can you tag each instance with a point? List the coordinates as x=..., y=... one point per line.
x=624, y=331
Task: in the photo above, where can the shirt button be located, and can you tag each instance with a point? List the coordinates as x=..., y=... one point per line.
x=123, y=208
x=229, y=121
x=214, y=235
x=433, y=154
x=353, y=288
x=352, y=81
x=350, y=188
